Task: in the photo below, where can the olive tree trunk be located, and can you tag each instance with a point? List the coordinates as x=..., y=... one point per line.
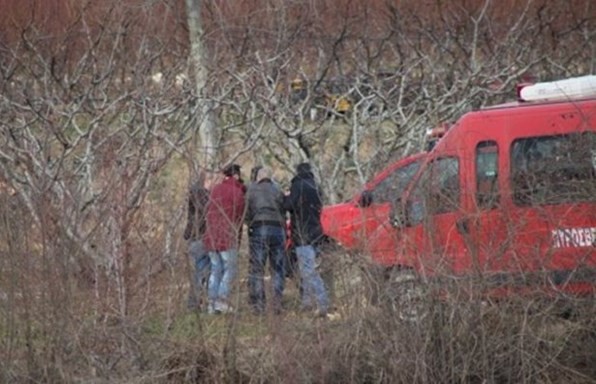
x=198, y=64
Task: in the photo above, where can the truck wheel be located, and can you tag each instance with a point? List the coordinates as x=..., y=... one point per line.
x=405, y=295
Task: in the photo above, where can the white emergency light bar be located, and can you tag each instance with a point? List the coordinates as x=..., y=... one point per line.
x=572, y=88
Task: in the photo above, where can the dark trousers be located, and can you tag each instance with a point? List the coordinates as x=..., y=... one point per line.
x=266, y=242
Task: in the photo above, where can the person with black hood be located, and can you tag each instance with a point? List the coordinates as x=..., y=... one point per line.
x=305, y=205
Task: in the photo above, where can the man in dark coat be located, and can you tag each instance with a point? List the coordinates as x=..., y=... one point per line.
x=225, y=212
x=265, y=217
x=198, y=197
x=305, y=205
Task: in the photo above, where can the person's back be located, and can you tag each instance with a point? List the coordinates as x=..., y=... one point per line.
x=198, y=198
x=224, y=215
x=305, y=205
x=264, y=203
x=266, y=233
x=224, y=223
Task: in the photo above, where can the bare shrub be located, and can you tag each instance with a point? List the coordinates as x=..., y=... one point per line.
x=463, y=340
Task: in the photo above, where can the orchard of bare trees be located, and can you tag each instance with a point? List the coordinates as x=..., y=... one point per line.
x=109, y=109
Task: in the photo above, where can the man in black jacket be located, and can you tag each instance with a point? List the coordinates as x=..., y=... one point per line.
x=198, y=197
x=266, y=235
x=304, y=204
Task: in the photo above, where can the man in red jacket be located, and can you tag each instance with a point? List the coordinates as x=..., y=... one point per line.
x=225, y=213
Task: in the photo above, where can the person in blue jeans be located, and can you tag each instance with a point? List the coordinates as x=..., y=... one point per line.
x=225, y=213
x=266, y=235
x=305, y=204
x=224, y=267
x=198, y=198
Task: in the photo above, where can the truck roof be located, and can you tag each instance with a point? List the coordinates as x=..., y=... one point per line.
x=519, y=120
x=523, y=104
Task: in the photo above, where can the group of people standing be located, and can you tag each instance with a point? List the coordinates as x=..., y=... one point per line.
x=214, y=231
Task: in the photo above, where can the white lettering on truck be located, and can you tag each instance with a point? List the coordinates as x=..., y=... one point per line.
x=574, y=237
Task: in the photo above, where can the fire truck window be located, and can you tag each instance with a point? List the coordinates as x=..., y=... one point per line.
x=393, y=186
x=487, y=190
x=554, y=169
x=444, y=186
x=416, y=209
x=436, y=192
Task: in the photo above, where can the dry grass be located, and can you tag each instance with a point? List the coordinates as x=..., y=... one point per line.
x=460, y=341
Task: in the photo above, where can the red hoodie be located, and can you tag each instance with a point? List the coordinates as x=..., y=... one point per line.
x=225, y=212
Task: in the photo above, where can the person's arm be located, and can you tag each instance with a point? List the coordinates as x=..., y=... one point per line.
x=287, y=206
x=318, y=200
x=291, y=199
x=249, y=213
x=190, y=222
x=279, y=200
x=241, y=205
x=201, y=211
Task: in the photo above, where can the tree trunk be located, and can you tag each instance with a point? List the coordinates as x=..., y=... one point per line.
x=198, y=64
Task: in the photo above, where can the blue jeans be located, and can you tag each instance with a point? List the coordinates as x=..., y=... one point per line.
x=266, y=242
x=312, y=284
x=200, y=275
x=223, y=271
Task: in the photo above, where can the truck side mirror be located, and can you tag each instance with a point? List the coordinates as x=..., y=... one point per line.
x=366, y=199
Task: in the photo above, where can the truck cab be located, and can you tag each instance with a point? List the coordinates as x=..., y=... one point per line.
x=507, y=195
x=350, y=223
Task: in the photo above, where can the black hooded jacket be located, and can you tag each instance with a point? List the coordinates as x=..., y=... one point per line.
x=304, y=204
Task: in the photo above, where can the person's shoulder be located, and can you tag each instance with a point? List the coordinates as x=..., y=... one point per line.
x=218, y=188
x=275, y=187
x=243, y=187
x=239, y=187
x=252, y=189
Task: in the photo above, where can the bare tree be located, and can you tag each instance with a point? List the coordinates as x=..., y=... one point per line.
x=199, y=64
x=86, y=130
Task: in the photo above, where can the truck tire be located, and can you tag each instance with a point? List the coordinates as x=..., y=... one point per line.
x=405, y=295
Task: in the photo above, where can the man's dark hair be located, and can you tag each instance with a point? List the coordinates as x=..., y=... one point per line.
x=231, y=170
x=303, y=168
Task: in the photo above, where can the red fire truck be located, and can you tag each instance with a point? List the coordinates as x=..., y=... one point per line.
x=507, y=196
